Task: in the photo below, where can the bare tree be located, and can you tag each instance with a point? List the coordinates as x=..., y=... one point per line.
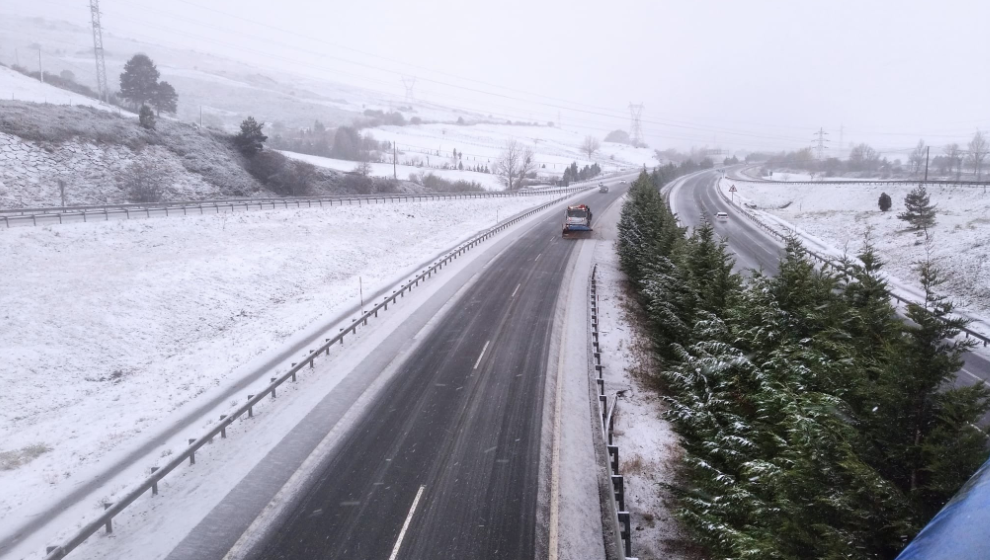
x=590, y=145
x=955, y=161
x=917, y=157
x=978, y=149
x=363, y=169
x=512, y=166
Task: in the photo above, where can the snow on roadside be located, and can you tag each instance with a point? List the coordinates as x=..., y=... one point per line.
x=109, y=327
x=649, y=449
x=840, y=214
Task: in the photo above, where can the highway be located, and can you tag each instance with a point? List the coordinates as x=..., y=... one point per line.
x=695, y=198
x=448, y=460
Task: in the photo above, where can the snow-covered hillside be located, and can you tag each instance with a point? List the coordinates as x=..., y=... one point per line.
x=225, y=90
x=841, y=214
x=90, y=149
x=18, y=87
x=109, y=327
x=553, y=148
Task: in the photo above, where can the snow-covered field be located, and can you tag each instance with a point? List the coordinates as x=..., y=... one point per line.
x=110, y=327
x=841, y=214
x=404, y=172
x=553, y=148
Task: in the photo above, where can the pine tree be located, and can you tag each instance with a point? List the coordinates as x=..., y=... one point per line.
x=139, y=81
x=885, y=203
x=146, y=117
x=938, y=446
x=165, y=99
x=919, y=211
x=251, y=139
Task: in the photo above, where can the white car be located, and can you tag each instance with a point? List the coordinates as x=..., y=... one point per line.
x=722, y=216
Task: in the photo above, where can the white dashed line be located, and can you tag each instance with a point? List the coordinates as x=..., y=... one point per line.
x=482, y=355
x=405, y=526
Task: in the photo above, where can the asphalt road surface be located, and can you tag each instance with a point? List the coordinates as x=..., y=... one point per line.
x=445, y=463
x=695, y=199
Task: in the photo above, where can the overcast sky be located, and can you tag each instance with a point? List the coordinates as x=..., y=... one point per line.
x=738, y=74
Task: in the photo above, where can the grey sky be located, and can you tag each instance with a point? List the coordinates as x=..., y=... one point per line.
x=740, y=74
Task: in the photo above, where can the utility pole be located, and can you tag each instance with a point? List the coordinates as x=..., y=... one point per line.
x=928, y=151
x=395, y=174
x=842, y=131
x=41, y=69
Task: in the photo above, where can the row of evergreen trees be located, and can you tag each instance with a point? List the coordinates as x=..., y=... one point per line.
x=573, y=175
x=815, y=423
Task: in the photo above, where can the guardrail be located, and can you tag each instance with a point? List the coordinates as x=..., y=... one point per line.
x=32, y=216
x=828, y=262
x=253, y=400
x=867, y=182
x=606, y=410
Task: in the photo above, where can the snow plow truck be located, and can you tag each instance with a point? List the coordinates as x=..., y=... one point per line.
x=577, y=222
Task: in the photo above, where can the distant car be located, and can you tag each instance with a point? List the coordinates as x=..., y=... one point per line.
x=722, y=216
x=602, y=187
x=623, y=182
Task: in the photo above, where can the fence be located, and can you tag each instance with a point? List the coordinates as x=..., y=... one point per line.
x=827, y=262
x=195, y=444
x=58, y=214
x=606, y=410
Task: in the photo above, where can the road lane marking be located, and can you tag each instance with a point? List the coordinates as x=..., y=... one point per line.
x=490, y=449
x=538, y=257
x=405, y=526
x=974, y=376
x=482, y=355
x=514, y=291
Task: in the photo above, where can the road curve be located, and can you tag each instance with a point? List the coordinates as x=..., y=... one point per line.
x=695, y=198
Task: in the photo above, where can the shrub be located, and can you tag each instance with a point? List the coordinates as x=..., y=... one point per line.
x=439, y=184
x=281, y=175
x=885, y=202
x=146, y=117
x=144, y=181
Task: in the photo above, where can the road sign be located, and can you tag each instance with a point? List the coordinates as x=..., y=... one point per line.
x=732, y=188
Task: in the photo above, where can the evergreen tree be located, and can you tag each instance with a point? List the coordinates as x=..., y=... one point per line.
x=139, y=81
x=165, y=99
x=146, y=117
x=919, y=211
x=938, y=448
x=885, y=202
x=251, y=139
